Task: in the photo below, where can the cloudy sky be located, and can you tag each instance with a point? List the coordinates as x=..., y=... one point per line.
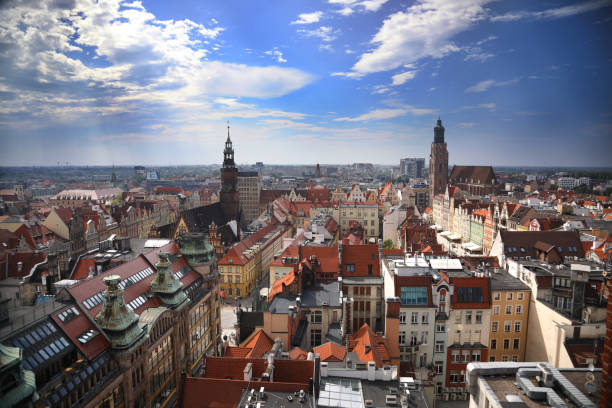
x=338, y=81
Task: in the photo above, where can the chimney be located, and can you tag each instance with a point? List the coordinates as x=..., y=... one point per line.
x=248, y=372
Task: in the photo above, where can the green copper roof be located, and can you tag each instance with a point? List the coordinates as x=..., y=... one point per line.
x=166, y=285
x=119, y=322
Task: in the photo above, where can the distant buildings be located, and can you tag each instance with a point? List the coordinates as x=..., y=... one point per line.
x=249, y=189
x=412, y=167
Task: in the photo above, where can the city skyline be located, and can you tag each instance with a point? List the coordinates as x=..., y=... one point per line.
x=144, y=83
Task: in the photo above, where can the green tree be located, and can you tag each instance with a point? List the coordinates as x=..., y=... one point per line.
x=388, y=244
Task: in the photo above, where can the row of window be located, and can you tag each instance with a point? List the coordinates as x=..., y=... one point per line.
x=414, y=318
x=468, y=317
x=516, y=344
x=515, y=358
x=507, y=326
x=518, y=309
x=509, y=295
x=414, y=338
x=465, y=356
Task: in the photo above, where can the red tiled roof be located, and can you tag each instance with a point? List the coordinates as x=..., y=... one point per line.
x=361, y=256
x=82, y=269
x=239, y=352
x=236, y=253
x=259, y=344
x=64, y=213
x=75, y=327
x=330, y=352
x=369, y=346
x=204, y=392
x=277, y=288
x=298, y=354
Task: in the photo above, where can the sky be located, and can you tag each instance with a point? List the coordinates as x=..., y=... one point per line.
x=103, y=82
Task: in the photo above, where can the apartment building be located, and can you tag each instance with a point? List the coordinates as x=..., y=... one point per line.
x=248, y=260
x=509, y=318
x=366, y=213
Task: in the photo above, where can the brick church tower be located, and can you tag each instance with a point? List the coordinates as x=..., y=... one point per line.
x=228, y=197
x=438, y=163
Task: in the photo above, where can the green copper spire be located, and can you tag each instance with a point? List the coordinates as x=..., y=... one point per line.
x=119, y=322
x=166, y=285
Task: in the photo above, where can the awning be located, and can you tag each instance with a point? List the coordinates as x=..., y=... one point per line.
x=470, y=246
x=221, y=293
x=454, y=237
x=445, y=233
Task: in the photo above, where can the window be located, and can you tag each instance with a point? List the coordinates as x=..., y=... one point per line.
x=455, y=357
x=504, y=358
x=414, y=295
x=370, y=269
x=454, y=376
x=316, y=317
x=492, y=358
x=493, y=344
x=509, y=309
x=516, y=343
x=478, y=317
x=476, y=355
x=424, y=338
x=237, y=291
x=506, y=344
x=350, y=267
x=440, y=328
x=507, y=326
x=497, y=296
x=229, y=291
x=494, y=326
x=402, y=337
x=468, y=317
x=519, y=295
x=413, y=338
x=425, y=318
x=469, y=295
x=315, y=337
x=458, y=317
x=515, y=358
x=402, y=317
x=517, y=326
x=237, y=279
x=229, y=279
x=509, y=296
x=439, y=367
x=415, y=318
x=439, y=347
x=495, y=310
x=519, y=309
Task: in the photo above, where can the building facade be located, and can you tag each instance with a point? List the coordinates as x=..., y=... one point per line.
x=249, y=190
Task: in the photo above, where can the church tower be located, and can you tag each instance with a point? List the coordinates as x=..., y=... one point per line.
x=229, y=183
x=438, y=163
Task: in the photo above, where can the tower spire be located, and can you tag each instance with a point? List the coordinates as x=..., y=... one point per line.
x=228, y=136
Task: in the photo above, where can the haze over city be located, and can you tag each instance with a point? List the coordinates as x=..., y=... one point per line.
x=516, y=83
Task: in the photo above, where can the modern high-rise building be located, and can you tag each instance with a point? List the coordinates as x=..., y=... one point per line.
x=229, y=196
x=249, y=189
x=438, y=163
x=412, y=167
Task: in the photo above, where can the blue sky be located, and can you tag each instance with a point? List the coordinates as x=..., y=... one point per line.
x=337, y=81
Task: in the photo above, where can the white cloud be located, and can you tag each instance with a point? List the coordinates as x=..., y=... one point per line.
x=380, y=89
x=350, y=6
x=276, y=53
x=142, y=61
x=325, y=33
x=326, y=47
x=431, y=89
x=423, y=30
x=554, y=13
x=308, y=18
x=491, y=106
x=380, y=114
x=400, y=79
x=485, y=85
x=466, y=124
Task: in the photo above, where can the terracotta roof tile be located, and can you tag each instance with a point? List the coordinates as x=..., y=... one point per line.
x=330, y=352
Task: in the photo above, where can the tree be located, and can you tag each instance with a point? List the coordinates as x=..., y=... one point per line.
x=388, y=244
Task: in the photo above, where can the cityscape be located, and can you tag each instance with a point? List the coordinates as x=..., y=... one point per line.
x=342, y=203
